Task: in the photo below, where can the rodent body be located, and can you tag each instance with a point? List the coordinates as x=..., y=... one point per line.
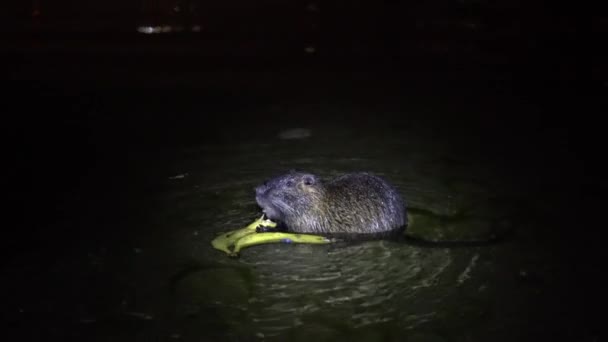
x=359, y=204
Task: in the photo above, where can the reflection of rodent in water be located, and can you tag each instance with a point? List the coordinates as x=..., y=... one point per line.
x=353, y=204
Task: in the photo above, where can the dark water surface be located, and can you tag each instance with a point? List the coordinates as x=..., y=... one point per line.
x=119, y=187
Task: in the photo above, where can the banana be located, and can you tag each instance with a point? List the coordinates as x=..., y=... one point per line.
x=234, y=241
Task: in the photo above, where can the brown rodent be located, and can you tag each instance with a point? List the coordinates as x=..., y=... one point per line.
x=360, y=204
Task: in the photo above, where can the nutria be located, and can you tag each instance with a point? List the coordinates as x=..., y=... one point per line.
x=355, y=204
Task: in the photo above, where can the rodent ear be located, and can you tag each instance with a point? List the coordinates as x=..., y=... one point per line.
x=309, y=180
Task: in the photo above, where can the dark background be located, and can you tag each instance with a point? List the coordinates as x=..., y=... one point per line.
x=65, y=62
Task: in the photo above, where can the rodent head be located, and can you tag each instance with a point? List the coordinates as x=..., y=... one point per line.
x=289, y=195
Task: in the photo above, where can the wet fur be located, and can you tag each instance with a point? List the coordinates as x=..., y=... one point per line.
x=354, y=205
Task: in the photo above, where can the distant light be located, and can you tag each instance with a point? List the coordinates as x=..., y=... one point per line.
x=310, y=49
x=149, y=29
x=165, y=29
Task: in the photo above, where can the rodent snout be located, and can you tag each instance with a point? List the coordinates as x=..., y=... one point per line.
x=260, y=190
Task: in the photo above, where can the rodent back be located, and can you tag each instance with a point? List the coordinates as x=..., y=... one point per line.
x=364, y=203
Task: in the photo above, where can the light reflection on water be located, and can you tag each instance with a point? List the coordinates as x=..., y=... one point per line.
x=360, y=285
